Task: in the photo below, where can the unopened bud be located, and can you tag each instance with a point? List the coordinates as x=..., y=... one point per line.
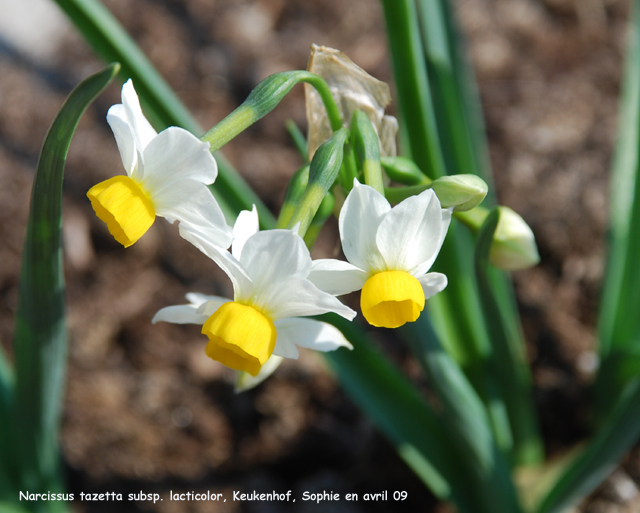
x=463, y=192
x=514, y=245
x=403, y=170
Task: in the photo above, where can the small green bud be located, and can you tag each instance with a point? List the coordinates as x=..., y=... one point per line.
x=295, y=189
x=403, y=170
x=323, y=171
x=367, y=147
x=463, y=192
x=514, y=245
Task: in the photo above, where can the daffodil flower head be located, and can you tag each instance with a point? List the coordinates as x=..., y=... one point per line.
x=389, y=251
x=167, y=176
x=269, y=271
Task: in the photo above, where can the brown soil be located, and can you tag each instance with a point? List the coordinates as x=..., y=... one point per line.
x=145, y=409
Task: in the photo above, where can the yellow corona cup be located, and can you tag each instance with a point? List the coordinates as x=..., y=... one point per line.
x=389, y=251
x=125, y=208
x=391, y=298
x=240, y=337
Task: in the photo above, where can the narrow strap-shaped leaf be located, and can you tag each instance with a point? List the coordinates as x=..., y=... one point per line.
x=507, y=363
x=111, y=42
x=483, y=470
x=7, y=507
x=414, y=96
x=601, y=456
x=457, y=107
x=619, y=322
x=393, y=404
x=8, y=486
x=40, y=334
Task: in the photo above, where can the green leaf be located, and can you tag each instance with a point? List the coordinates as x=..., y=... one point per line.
x=455, y=99
x=7, y=460
x=40, y=334
x=507, y=364
x=298, y=138
x=458, y=117
x=111, y=42
x=601, y=456
x=619, y=322
x=7, y=507
x=484, y=471
x=393, y=404
x=414, y=95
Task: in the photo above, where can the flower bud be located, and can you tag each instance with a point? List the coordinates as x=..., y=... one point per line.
x=514, y=245
x=463, y=192
x=403, y=170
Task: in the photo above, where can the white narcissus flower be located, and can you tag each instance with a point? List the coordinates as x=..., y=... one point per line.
x=389, y=251
x=167, y=176
x=269, y=271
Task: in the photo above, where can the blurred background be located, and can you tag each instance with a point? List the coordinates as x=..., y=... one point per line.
x=145, y=408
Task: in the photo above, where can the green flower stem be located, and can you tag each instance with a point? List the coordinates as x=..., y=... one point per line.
x=297, y=185
x=307, y=208
x=367, y=148
x=323, y=172
x=263, y=99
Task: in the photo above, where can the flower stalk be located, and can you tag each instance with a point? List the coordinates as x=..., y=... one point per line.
x=263, y=99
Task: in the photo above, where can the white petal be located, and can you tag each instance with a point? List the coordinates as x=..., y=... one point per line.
x=246, y=225
x=271, y=256
x=245, y=381
x=117, y=119
x=211, y=305
x=313, y=334
x=242, y=285
x=426, y=265
x=142, y=130
x=196, y=298
x=361, y=214
x=412, y=233
x=192, y=204
x=179, y=314
x=285, y=347
x=298, y=297
x=336, y=277
x=173, y=155
x=432, y=283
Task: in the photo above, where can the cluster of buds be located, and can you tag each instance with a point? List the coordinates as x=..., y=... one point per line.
x=277, y=286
